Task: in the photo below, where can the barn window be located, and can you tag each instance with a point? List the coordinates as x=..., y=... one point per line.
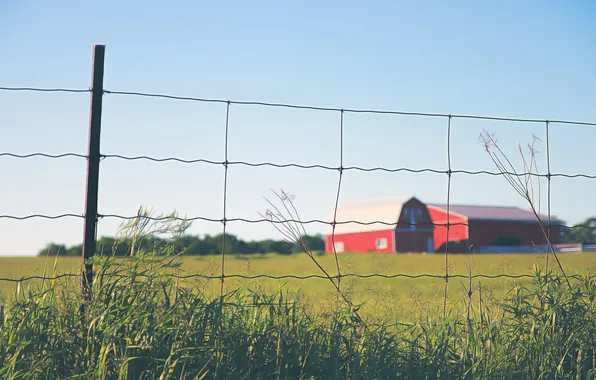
x=339, y=246
x=381, y=243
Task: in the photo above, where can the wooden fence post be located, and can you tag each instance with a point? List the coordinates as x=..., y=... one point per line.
x=93, y=158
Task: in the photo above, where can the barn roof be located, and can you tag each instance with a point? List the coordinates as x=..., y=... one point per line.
x=505, y=213
x=380, y=210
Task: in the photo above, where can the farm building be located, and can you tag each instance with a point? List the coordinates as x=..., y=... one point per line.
x=387, y=225
x=408, y=225
x=489, y=226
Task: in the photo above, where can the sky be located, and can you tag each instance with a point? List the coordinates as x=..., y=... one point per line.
x=530, y=59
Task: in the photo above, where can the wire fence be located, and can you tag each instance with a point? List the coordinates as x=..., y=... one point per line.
x=304, y=277
x=341, y=170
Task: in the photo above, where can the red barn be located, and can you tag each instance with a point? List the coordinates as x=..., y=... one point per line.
x=405, y=226
x=474, y=227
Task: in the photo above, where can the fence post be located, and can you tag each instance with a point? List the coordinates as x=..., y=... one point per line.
x=90, y=229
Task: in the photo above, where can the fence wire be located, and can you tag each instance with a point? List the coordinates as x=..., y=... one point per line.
x=301, y=166
x=225, y=220
x=507, y=276
x=265, y=220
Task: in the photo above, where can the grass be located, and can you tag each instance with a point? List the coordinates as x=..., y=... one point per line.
x=146, y=321
x=141, y=324
x=401, y=298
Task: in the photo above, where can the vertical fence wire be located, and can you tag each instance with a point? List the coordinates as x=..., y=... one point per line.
x=225, y=198
x=341, y=171
x=548, y=178
x=448, y=215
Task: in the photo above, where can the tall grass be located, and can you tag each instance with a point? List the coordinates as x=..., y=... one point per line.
x=141, y=325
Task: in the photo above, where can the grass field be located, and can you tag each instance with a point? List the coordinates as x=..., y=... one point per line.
x=142, y=324
x=401, y=298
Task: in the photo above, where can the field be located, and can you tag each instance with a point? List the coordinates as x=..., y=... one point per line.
x=401, y=298
x=144, y=323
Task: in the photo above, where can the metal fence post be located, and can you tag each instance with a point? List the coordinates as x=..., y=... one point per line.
x=90, y=229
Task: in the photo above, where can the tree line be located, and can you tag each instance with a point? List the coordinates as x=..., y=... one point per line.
x=584, y=232
x=192, y=245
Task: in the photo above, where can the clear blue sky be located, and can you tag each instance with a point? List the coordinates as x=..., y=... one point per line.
x=531, y=59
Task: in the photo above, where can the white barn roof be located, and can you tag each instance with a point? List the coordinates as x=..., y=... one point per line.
x=380, y=210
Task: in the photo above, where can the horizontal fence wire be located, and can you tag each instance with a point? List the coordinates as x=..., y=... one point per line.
x=44, y=155
x=281, y=221
x=42, y=216
x=341, y=169
x=39, y=89
x=295, y=106
x=301, y=166
x=297, y=277
x=41, y=278
x=350, y=110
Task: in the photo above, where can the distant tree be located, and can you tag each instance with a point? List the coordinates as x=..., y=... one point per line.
x=275, y=246
x=107, y=246
x=53, y=249
x=282, y=247
x=568, y=235
x=315, y=243
x=211, y=245
x=254, y=247
x=75, y=250
x=584, y=232
x=186, y=244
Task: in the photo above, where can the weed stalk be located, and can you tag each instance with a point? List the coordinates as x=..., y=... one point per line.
x=523, y=186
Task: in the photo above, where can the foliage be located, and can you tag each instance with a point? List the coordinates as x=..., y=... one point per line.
x=192, y=245
x=401, y=297
x=145, y=233
x=141, y=325
x=584, y=232
x=53, y=249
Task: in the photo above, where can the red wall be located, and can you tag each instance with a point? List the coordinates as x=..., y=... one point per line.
x=486, y=232
x=362, y=241
x=458, y=232
x=416, y=239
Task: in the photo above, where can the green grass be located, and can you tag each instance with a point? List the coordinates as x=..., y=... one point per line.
x=400, y=298
x=141, y=324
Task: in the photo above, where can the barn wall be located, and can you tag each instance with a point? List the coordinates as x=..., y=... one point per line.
x=413, y=241
x=555, y=234
x=458, y=231
x=362, y=241
x=485, y=233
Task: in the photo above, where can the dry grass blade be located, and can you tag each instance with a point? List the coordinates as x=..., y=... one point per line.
x=523, y=186
x=292, y=229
